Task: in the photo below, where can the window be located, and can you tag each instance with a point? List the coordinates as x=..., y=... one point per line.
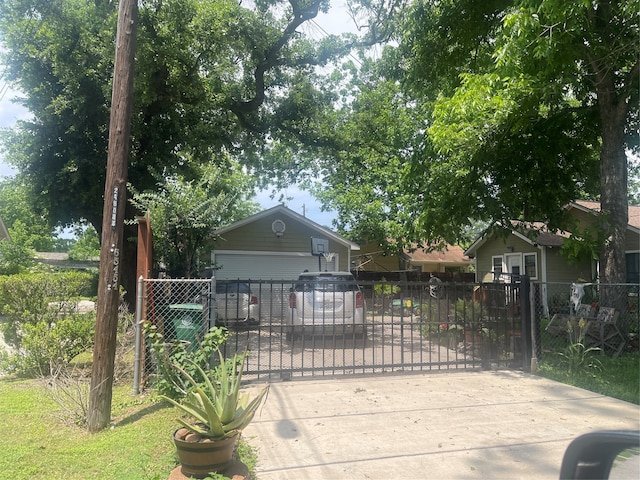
x=496, y=267
x=531, y=265
x=633, y=267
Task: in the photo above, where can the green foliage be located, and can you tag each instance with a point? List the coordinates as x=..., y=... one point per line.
x=194, y=361
x=16, y=254
x=578, y=358
x=17, y=205
x=618, y=377
x=184, y=212
x=47, y=348
x=218, y=406
x=467, y=313
x=87, y=244
x=383, y=289
x=31, y=299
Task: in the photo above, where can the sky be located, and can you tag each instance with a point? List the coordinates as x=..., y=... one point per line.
x=336, y=21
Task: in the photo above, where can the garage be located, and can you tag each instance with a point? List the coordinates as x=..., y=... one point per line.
x=249, y=265
x=276, y=244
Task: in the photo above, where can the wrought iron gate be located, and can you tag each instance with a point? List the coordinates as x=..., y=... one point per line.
x=410, y=326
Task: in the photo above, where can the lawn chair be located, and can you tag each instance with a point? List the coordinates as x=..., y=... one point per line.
x=561, y=323
x=603, y=332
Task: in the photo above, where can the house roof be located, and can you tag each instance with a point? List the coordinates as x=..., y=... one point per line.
x=451, y=254
x=546, y=238
x=633, y=212
x=282, y=210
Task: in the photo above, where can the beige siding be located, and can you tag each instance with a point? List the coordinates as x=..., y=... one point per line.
x=560, y=270
x=632, y=242
x=259, y=236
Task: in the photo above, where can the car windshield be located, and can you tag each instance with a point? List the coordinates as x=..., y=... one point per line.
x=326, y=283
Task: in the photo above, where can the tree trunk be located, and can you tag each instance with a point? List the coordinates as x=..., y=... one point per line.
x=115, y=200
x=613, y=183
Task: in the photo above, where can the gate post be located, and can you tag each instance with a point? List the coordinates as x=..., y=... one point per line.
x=525, y=322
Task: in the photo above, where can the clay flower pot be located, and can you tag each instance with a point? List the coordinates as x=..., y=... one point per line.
x=201, y=455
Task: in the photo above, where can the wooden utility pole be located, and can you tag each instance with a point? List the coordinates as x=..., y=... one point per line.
x=115, y=197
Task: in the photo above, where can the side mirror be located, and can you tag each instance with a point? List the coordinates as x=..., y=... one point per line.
x=591, y=456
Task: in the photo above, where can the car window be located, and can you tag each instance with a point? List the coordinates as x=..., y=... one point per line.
x=233, y=287
x=326, y=283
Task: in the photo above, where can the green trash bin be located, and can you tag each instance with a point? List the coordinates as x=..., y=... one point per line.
x=187, y=323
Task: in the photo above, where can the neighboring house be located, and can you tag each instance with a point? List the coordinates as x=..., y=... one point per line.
x=537, y=253
x=4, y=233
x=373, y=258
x=275, y=244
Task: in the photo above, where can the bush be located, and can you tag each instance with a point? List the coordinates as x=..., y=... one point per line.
x=166, y=355
x=39, y=297
x=48, y=348
x=40, y=321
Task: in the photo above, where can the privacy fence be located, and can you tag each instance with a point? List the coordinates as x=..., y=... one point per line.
x=408, y=325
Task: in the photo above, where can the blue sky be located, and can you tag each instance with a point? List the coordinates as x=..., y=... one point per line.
x=335, y=22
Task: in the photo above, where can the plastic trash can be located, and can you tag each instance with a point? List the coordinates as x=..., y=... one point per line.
x=187, y=323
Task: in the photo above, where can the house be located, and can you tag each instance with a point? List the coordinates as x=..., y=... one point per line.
x=373, y=258
x=537, y=254
x=276, y=244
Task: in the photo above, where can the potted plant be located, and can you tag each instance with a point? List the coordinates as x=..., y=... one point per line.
x=469, y=314
x=220, y=412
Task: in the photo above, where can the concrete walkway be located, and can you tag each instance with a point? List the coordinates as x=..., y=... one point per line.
x=484, y=425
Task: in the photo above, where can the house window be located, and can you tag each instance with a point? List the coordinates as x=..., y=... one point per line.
x=633, y=267
x=531, y=265
x=496, y=267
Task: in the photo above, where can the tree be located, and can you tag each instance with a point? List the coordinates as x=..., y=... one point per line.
x=16, y=205
x=185, y=212
x=560, y=98
x=516, y=107
x=16, y=252
x=210, y=76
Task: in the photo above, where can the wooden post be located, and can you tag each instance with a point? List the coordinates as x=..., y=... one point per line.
x=115, y=197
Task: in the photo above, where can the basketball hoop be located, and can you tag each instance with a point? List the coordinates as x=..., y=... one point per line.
x=328, y=256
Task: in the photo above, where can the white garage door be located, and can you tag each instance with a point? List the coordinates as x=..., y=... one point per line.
x=252, y=266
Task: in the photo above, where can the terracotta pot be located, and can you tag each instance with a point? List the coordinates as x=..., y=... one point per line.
x=199, y=458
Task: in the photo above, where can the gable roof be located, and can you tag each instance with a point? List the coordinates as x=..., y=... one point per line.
x=590, y=207
x=450, y=254
x=282, y=210
x=546, y=238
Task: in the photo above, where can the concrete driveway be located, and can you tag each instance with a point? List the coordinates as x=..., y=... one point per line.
x=499, y=424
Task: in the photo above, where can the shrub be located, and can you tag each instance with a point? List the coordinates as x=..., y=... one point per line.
x=39, y=297
x=167, y=355
x=47, y=348
x=40, y=320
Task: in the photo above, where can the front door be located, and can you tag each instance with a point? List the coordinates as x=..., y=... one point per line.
x=514, y=264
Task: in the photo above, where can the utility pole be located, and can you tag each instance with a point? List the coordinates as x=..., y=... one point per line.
x=115, y=197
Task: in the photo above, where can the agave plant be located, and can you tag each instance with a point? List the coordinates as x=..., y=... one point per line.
x=217, y=405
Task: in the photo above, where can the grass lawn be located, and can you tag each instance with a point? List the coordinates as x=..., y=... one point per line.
x=616, y=377
x=35, y=443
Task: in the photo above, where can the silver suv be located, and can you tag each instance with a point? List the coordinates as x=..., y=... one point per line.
x=326, y=303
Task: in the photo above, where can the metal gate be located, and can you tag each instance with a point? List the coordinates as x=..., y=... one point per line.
x=409, y=326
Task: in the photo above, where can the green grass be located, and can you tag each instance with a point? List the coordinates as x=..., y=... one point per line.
x=618, y=377
x=35, y=443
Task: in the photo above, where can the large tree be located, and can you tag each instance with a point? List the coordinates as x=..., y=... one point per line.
x=210, y=76
x=512, y=109
x=524, y=134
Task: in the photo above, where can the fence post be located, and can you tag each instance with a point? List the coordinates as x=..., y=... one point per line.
x=525, y=322
x=211, y=299
x=138, y=327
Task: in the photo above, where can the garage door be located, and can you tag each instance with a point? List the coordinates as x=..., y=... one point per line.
x=253, y=266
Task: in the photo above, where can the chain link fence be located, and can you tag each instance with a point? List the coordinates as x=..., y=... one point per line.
x=604, y=316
